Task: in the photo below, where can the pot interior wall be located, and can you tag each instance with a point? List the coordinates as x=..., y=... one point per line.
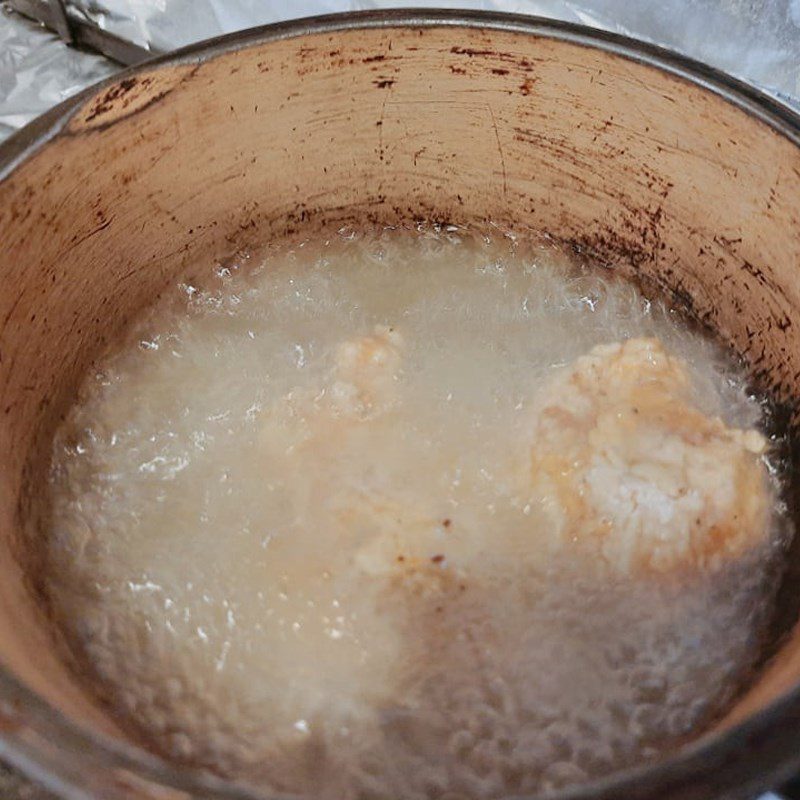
x=191, y=160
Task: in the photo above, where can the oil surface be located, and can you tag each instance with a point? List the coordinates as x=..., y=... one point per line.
x=298, y=539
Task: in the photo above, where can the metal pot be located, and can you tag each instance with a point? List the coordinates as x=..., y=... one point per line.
x=672, y=172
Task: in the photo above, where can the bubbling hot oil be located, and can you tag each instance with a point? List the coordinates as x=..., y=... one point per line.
x=293, y=539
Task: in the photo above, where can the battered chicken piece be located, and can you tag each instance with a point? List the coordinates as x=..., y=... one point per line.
x=393, y=537
x=361, y=386
x=366, y=369
x=406, y=547
x=390, y=535
x=630, y=470
x=333, y=644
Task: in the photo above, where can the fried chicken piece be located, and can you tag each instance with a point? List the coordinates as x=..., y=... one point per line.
x=387, y=533
x=360, y=387
x=630, y=470
x=366, y=369
x=403, y=546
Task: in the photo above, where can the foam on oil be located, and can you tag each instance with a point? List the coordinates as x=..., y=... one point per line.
x=292, y=539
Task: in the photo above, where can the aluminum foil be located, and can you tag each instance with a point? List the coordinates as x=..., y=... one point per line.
x=37, y=71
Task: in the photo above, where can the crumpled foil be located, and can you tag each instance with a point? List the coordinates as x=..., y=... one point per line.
x=757, y=40
x=37, y=71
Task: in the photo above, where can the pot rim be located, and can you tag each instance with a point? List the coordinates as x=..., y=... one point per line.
x=77, y=762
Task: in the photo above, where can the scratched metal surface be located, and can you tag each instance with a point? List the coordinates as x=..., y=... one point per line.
x=755, y=39
x=758, y=40
x=15, y=787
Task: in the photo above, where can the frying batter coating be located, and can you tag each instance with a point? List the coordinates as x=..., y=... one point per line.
x=630, y=470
